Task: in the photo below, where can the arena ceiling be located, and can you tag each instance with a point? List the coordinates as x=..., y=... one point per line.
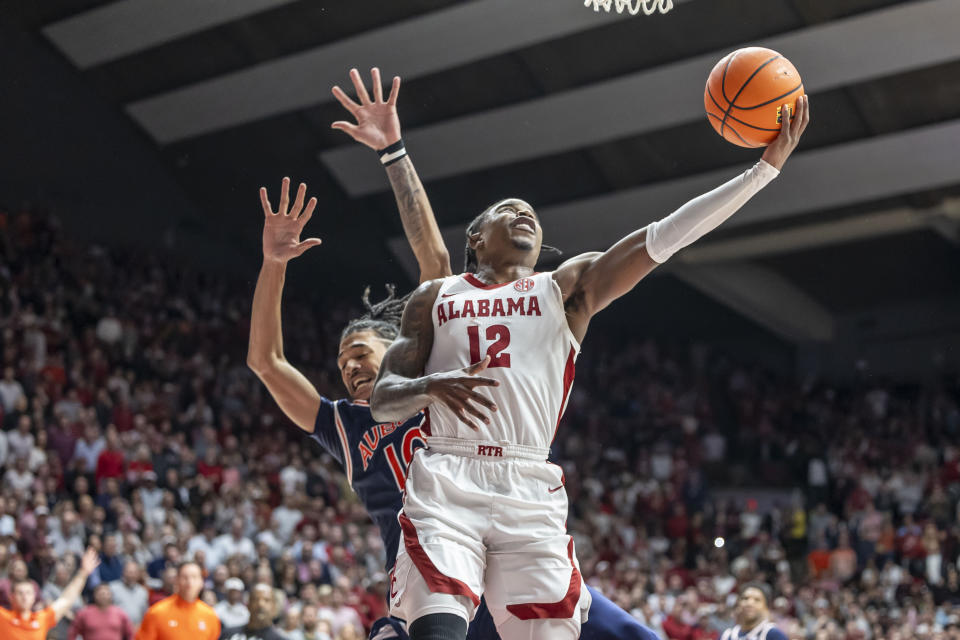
x=595, y=118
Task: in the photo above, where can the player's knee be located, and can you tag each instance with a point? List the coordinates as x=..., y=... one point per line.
x=439, y=626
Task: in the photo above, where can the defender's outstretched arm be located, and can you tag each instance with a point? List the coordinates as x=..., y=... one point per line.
x=293, y=392
x=378, y=127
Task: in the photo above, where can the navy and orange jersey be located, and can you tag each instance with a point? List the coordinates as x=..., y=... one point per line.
x=374, y=456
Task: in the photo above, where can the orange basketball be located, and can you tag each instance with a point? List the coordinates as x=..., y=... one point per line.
x=745, y=93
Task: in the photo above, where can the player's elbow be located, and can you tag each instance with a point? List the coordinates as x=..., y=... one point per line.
x=378, y=408
x=436, y=266
x=377, y=411
x=261, y=365
x=441, y=259
x=256, y=363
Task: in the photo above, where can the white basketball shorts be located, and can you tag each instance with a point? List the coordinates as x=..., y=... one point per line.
x=489, y=519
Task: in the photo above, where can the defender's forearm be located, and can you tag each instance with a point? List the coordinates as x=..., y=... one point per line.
x=419, y=222
x=266, y=335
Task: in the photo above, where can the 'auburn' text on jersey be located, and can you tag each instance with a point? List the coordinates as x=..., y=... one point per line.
x=374, y=456
x=522, y=326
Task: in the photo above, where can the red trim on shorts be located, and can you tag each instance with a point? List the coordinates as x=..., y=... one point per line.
x=568, y=374
x=436, y=581
x=554, y=610
x=563, y=478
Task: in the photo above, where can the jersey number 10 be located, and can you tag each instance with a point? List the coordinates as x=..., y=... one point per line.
x=498, y=333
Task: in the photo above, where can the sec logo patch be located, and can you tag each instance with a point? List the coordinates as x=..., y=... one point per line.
x=524, y=284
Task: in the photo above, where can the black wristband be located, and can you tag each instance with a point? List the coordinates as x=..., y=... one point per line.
x=392, y=153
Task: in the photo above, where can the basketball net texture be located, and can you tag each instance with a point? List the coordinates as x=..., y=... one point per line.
x=634, y=7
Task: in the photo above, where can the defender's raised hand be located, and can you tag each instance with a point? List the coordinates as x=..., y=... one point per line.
x=780, y=149
x=282, y=228
x=377, y=123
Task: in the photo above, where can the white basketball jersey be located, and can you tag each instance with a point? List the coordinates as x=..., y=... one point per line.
x=522, y=326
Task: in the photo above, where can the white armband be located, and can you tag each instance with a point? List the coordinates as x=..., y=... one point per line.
x=705, y=213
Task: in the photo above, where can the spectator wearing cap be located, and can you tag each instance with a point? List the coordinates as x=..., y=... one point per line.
x=752, y=615
x=33, y=535
x=232, y=612
x=101, y=620
x=129, y=594
x=263, y=607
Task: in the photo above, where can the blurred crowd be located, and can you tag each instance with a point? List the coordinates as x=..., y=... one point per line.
x=131, y=423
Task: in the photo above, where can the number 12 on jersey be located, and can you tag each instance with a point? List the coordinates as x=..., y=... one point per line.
x=499, y=335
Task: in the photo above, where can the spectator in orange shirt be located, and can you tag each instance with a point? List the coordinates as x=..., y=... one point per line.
x=182, y=616
x=22, y=623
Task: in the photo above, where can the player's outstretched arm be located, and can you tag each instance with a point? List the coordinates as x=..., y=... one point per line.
x=402, y=390
x=89, y=562
x=591, y=282
x=378, y=127
x=295, y=395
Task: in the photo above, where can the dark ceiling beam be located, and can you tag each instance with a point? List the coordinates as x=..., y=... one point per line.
x=119, y=29
x=464, y=33
x=764, y=296
x=943, y=219
x=873, y=45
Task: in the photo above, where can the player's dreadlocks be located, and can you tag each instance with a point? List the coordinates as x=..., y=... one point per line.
x=470, y=256
x=383, y=318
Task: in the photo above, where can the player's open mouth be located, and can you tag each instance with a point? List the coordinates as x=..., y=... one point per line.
x=360, y=382
x=524, y=223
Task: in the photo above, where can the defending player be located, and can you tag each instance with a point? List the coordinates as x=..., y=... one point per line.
x=484, y=513
x=374, y=455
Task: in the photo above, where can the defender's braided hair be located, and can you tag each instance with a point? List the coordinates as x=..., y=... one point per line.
x=470, y=263
x=383, y=318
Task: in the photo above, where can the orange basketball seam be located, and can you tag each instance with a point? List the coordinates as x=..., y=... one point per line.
x=737, y=133
x=723, y=80
x=763, y=104
x=746, y=124
x=744, y=86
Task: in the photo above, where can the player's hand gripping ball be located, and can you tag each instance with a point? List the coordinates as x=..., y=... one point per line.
x=745, y=94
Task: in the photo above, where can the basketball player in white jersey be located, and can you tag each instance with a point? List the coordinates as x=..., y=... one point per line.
x=484, y=513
